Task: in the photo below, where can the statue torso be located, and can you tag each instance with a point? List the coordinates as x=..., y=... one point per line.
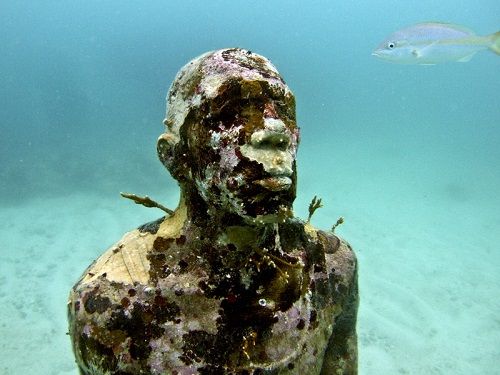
x=166, y=300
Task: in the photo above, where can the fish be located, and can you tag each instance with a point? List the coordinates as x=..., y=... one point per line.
x=431, y=43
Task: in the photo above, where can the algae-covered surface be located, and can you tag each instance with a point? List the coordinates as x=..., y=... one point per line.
x=408, y=155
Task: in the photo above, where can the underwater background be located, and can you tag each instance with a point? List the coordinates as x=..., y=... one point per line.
x=408, y=155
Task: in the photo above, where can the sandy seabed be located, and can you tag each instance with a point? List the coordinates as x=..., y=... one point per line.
x=429, y=277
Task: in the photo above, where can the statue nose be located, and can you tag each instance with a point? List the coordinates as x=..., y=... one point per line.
x=272, y=140
x=272, y=147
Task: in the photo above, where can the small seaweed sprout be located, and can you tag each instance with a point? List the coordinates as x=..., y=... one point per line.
x=147, y=202
x=339, y=221
x=313, y=206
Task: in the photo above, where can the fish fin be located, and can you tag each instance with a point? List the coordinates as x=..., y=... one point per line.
x=495, y=45
x=418, y=53
x=467, y=58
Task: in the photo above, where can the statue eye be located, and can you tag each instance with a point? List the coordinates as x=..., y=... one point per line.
x=391, y=45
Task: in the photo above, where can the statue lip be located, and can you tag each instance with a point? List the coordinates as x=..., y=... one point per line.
x=275, y=183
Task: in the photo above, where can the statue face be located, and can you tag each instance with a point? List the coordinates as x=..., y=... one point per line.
x=245, y=150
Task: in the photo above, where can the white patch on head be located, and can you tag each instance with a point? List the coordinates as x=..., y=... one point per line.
x=211, y=84
x=214, y=140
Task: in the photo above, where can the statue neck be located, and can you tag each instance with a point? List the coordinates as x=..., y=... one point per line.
x=213, y=222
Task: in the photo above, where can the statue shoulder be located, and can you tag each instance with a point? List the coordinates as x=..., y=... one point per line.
x=340, y=258
x=128, y=261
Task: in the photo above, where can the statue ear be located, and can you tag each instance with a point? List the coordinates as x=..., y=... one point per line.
x=168, y=148
x=165, y=147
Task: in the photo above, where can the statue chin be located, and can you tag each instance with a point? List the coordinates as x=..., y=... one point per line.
x=279, y=216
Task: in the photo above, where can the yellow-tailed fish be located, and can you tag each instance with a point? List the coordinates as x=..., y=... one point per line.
x=433, y=43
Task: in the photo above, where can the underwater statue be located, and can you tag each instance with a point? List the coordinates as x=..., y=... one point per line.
x=230, y=282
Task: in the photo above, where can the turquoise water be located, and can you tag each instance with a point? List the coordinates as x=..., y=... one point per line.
x=407, y=154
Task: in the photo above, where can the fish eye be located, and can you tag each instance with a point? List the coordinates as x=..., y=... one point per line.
x=391, y=45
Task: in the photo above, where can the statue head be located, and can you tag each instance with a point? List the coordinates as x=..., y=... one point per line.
x=231, y=134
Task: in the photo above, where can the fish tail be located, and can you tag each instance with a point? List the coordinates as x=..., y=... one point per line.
x=495, y=42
